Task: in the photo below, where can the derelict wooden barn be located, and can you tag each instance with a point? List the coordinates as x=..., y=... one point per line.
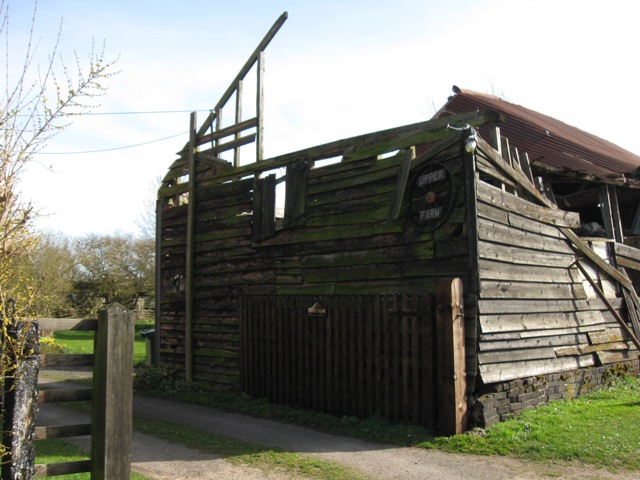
x=465, y=267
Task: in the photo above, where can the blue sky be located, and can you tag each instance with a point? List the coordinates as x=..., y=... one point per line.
x=335, y=69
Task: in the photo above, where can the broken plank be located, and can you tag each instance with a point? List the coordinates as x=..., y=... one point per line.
x=616, y=357
x=500, y=372
x=606, y=336
x=499, y=198
x=586, y=348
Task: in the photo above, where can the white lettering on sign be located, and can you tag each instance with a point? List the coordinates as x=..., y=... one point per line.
x=431, y=177
x=430, y=214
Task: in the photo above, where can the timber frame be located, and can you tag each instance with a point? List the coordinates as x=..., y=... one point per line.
x=337, y=296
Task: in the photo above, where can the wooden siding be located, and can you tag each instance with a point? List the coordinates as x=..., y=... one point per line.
x=366, y=355
x=535, y=316
x=339, y=241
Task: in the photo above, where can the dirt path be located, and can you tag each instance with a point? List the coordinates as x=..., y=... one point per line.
x=159, y=459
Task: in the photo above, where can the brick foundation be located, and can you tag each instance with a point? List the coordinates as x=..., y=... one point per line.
x=500, y=401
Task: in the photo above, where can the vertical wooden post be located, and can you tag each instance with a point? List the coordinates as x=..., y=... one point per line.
x=112, y=395
x=20, y=400
x=452, y=379
x=191, y=227
x=155, y=359
x=236, y=151
x=260, y=107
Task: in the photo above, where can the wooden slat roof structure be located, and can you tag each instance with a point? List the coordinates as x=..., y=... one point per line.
x=552, y=145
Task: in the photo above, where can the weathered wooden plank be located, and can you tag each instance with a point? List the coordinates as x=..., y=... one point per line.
x=61, y=431
x=54, y=324
x=516, y=355
x=62, y=468
x=534, y=342
x=615, y=357
x=112, y=402
x=66, y=359
x=524, y=322
x=512, y=219
x=495, y=232
x=499, y=198
x=607, y=336
x=628, y=263
x=365, y=146
x=66, y=395
x=522, y=290
x=501, y=372
x=504, y=306
x=502, y=336
x=585, y=348
x=401, y=183
x=452, y=382
x=228, y=131
x=609, y=305
x=496, y=270
x=488, y=168
x=523, y=256
x=627, y=251
x=601, y=264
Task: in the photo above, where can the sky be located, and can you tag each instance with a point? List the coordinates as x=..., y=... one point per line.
x=334, y=70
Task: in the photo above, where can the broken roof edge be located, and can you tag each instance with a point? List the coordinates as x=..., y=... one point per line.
x=356, y=147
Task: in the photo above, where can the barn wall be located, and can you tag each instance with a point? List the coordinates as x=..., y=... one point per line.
x=543, y=332
x=335, y=239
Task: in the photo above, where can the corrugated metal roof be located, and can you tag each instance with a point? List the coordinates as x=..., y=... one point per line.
x=547, y=140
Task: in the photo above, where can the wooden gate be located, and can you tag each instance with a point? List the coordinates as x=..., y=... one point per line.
x=111, y=396
x=357, y=355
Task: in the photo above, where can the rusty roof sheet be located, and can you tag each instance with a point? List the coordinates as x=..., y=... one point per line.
x=546, y=140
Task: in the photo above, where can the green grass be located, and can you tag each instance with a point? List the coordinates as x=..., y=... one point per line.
x=82, y=342
x=273, y=460
x=164, y=383
x=58, y=451
x=602, y=429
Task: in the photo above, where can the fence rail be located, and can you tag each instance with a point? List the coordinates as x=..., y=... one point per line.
x=111, y=396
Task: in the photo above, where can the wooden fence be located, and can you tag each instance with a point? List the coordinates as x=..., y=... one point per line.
x=111, y=396
x=358, y=355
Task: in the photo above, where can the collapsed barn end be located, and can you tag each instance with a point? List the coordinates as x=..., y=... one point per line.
x=325, y=298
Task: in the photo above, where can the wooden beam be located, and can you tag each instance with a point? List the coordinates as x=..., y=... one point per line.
x=55, y=324
x=362, y=146
x=190, y=256
x=112, y=413
x=66, y=359
x=245, y=69
x=401, y=183
x=62, y=431
x=260, y=108
x=452, y=377
x=61, y=468
x=608, y=304
x=65, y=395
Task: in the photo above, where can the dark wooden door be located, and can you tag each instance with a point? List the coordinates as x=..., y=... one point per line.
x=358, y=355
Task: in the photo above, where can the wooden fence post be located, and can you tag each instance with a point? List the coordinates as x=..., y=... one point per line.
x=112, y=395
x=452, y=380
x=20, y=400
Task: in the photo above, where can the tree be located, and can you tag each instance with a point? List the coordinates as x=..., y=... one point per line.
x=112, y=268
x=38, y=101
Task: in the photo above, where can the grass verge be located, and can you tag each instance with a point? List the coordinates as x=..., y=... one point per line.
x=241, y=453
x=82, y=342
x=602, y=429
x=57, y=451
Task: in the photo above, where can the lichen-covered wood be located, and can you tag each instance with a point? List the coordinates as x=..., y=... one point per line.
x=390, y=214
